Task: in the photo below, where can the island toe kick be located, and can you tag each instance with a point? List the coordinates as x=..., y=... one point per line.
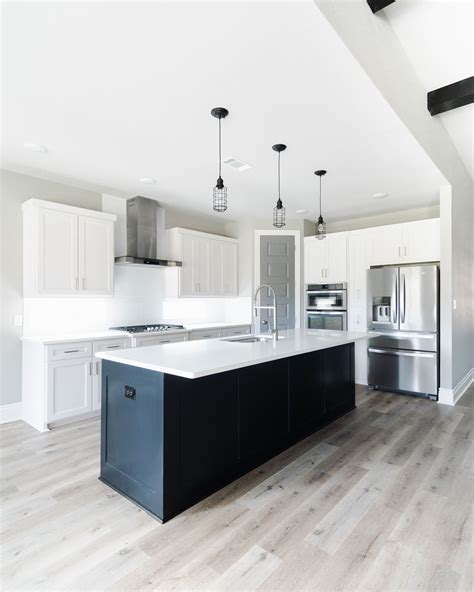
x=167, y=442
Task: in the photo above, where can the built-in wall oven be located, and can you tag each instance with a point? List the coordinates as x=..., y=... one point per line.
x=326, y=306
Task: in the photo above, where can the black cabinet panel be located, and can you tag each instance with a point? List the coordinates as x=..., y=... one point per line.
x=339, y=379
x=306, y=392
x=132, y=433
x=208, y=438
x=263, y=409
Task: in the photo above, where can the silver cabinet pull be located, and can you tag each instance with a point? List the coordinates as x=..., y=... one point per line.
x=113, y=346
x=399, y=251
x=71, y=351
x=405, y=250
x=166, y=341
x=97, y=367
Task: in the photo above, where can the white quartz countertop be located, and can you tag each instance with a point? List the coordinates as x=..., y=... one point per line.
x=193, y=359
x=48, y=340
x=108, y=334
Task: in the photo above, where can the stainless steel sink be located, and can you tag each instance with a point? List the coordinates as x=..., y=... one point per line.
x=252, y=338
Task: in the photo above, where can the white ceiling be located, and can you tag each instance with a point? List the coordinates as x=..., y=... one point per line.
x=437, y=36
x=123, y=90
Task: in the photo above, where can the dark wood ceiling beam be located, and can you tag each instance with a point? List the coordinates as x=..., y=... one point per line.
x=376, y=5
x=451, y=96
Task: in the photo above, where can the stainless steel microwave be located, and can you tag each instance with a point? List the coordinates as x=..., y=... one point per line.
x=326, y=297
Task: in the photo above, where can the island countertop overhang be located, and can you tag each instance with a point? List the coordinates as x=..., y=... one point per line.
x=195, y=359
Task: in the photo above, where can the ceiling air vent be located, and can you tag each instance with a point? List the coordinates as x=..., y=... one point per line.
x=236, y=163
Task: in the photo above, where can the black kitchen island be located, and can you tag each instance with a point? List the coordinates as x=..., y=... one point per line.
x=168, y=441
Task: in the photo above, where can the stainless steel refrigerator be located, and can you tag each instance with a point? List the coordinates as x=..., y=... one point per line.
x=403, y=307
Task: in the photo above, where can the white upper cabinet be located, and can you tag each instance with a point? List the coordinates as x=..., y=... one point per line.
x=411, y=242
x=209, y=264
x=224, y=268
x=96, y=255
x=421, y=241
x=326, y=260
x=67, y=251
x=57, y=252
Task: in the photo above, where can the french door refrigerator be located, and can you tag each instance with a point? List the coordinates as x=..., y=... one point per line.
x=403, y=308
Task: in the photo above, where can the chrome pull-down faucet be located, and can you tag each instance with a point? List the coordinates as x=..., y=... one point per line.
x=273, y=308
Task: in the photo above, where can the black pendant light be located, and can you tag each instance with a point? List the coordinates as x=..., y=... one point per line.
x=320, y=224
x=279, y=210
x=219, y=197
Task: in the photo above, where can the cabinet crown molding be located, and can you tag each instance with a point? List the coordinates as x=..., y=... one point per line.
x=60, y=207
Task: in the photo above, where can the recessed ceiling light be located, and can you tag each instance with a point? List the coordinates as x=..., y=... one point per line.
x=380, y=195
x=35, y=147
x=147, y=180
x=301, y=211
x=236, y=163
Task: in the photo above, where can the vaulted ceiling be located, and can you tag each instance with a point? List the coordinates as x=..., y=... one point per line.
x=121, y=91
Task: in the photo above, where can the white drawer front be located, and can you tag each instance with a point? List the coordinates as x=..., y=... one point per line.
x=65, y=351
x=111, y=344
x=209, y=334
x=243, y=330
x=144, y=341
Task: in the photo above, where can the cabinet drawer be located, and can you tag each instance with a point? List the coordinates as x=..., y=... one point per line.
x=111, y=344
x=210, y=334
x=65, y=351
x=144, y=341
x=244, y=330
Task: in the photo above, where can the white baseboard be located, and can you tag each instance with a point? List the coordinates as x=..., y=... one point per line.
x=10, y=412
x=452, y=396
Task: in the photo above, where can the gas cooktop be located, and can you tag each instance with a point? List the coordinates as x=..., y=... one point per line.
x=147, y=328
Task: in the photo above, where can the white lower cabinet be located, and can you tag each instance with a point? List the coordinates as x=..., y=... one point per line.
x=61, y=382
x=69, y=390
x=205, y=334
x=243, y=330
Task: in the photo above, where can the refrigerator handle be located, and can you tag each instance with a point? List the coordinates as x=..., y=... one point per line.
x=395, y=299
x=403, y=299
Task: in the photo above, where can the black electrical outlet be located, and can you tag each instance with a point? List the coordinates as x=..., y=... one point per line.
x=129, y=392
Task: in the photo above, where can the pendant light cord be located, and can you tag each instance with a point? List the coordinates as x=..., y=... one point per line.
x=279, y=154
x=220, y=147
x=320, y=196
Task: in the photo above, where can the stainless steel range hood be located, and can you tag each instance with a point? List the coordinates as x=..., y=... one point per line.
x=140, y=235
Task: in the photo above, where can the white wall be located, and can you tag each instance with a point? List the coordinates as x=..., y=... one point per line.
x=378, y=50
x=396, y=217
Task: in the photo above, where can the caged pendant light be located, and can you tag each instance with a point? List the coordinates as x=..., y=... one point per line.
x=320, y=224
x=219, y=196
x=279, y=210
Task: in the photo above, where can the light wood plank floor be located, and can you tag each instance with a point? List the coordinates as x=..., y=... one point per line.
x=378, y=501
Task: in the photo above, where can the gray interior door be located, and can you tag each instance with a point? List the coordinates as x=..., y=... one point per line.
x=277, y=268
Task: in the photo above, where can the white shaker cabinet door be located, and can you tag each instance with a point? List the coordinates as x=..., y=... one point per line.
x=69, y=388
x=57, y=252
x=202, y=258
x=336, y=267
x=421, y=241
x=96, y=256
x=218, y=271
x=195, y=272
x=316, y=260
x=187, y=281
x=385, y=245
